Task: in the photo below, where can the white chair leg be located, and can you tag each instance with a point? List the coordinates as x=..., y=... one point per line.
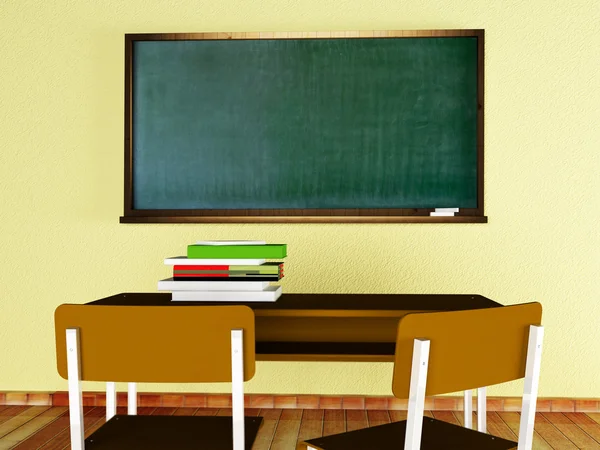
x=131, y=399
x=468, y=409
x=111, y=400
x=237, y=388
x=416, y=396
x=75, y=397
x=481, y=410
x=530, y=391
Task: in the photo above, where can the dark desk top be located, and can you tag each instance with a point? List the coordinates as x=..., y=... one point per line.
x=357, y=302
x=325, y=327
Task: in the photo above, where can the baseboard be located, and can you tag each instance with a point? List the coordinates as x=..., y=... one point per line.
x=297, y=401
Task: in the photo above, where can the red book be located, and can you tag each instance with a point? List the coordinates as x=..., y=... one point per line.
x=180, y=267
x=193, y=275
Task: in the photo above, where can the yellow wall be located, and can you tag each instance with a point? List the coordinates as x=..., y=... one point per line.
x=61, y=181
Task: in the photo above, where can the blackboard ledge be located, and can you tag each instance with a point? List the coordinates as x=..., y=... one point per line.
x=302, y=219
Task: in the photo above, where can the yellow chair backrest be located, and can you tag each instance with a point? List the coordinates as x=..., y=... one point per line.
x=468, y=349
x=159, y=344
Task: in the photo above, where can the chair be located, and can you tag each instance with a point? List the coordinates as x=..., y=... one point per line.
x=161, y=344
x=445, y=352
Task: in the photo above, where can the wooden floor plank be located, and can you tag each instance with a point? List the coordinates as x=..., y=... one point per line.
x=513, y=420
x=398, y=416
x=91, y=415
x=31, y=427
x=377, y=417
x=228, y=412
x=270, y=414
x=265, y=435
x=184, y=411
x=3, y=408
x=460, y=416
x=311, y=426
x=583, y=421
x=46, y=433
x=20, y=419
x=206, y=412
x=49, y=432
x=497, y=427
x=11, y=412
x=167, y=411
x=551, y=434
x=594, y=416
x=287, y=430
x=356, y=419
x=334, y=422
x=146, y=410
x=571, y=430
x=47, y=428
x=267, y=429
x=446, y=416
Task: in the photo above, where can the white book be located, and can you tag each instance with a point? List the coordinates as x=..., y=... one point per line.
x=185, y=285
x=185, y=261
x=231, y=242
x=271, y=294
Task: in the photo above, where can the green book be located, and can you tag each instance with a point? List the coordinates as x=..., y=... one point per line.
x=268, y=251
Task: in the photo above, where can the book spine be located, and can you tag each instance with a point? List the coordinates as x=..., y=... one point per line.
x=185, y=261
x=200, y=275
x=228, y=278
x=271, y=294
x=260, y=268
x=228, y=272
x=184, y=285
x=271, y=251
x=231, y=242
x=202, y=267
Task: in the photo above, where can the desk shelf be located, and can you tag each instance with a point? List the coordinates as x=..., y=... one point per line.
x=325, y=351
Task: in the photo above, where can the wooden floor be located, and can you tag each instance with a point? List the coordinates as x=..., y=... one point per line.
x=45, y=427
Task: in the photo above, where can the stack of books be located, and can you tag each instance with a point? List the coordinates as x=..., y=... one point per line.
x=234, y=271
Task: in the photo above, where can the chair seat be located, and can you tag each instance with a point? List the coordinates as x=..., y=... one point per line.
x=170, y=433
x=436, y=435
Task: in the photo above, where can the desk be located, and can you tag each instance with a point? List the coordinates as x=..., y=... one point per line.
x=326, y=327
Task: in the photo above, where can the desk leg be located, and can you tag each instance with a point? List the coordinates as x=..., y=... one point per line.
x=111, y=400
x=131, y=399
x=468, y=409
x=481, y=410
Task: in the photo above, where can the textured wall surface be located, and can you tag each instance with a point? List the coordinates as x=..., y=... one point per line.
x=61, y=182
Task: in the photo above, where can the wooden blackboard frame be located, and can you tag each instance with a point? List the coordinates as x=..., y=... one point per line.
x=406, y=215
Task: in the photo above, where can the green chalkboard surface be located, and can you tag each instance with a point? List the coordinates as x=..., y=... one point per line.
x=304, y=123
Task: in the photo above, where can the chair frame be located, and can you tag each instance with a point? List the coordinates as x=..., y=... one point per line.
x=481, y=409
x=418, y=383
x=416, y=401
x=76, y=401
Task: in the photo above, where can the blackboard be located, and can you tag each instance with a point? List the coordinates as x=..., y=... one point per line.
x=304, y=124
